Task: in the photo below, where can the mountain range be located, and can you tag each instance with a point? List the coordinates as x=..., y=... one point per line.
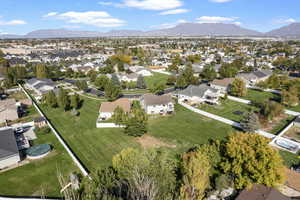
x=185, y=29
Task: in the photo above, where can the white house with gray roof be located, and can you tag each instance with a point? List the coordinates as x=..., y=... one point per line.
x=255, y=77
x=157, y=104
x=200, y=94
x=41, y=86
x=9, y=153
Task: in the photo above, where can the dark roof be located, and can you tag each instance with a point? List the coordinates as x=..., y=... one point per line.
x=39, y=119
x=8, y=143
x=297, y=119
x=198, y=91
x=261, y=192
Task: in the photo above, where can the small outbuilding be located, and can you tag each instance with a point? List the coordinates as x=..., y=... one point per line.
x=40, y=122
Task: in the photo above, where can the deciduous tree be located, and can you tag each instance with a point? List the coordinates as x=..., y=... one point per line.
x=249, y=159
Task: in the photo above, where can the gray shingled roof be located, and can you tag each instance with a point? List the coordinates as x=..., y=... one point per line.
x=151, y=99
x=198, y=91
x=8, y=144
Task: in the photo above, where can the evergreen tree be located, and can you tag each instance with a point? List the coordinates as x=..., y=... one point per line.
x=141, y=84
x=250, y=122
x=115, y=80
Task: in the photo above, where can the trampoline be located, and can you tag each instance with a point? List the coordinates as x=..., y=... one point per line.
x=38, y=151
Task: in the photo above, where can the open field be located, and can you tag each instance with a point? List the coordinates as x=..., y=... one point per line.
x=39, y=177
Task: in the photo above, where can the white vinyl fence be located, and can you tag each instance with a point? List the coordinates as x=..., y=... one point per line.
x=60, y=139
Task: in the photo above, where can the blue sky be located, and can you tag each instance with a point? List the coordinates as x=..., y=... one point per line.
x=22, y=16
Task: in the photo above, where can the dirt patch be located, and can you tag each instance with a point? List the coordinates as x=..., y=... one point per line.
x=147, y=141
x=268, y=126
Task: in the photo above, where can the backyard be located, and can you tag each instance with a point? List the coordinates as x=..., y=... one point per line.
x=95, y=147
x=39, y=177
x=235, y=111
x=155, y=79
x=260, y=96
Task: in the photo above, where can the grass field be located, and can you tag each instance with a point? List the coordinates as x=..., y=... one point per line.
x=186, y=128
x=227, y=108
x=38, y=177
x=95, y=147
x=155, y=79
x=260, y=96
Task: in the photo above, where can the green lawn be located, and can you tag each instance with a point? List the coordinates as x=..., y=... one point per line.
x=95, y=147
x=227, y=108
x=186, y=128
x=289, y=159
x=260, y=96
x=155, y=79
x=38, y=177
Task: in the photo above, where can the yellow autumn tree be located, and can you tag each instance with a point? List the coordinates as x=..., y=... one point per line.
x=249, y=159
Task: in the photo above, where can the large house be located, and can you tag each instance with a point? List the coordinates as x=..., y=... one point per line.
x=222, y=84
x=200, y=94
x=157, y=104
x=107, y=108
x=8, y=110
x=41, y=86
x=255, y=77
x=9, y=153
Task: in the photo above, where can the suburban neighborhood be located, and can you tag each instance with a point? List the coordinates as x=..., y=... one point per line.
x=187, y=111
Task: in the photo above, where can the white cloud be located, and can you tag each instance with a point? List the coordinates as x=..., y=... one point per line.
x=285, y=21
x=93, y=18
x=220, y=1
x=174, y=12
x=12, y=22
x=50, y=14
x=168, y=25
x=215, y=19
x=237, y=23
x=153, y=4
